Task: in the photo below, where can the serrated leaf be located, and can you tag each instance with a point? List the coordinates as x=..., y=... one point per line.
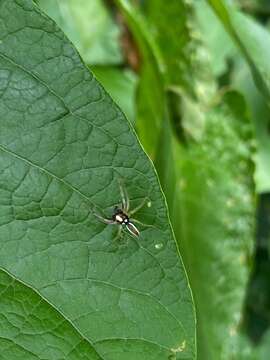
x=64, y=147
x=222, y=48
x=217, y=215
x=260, y=112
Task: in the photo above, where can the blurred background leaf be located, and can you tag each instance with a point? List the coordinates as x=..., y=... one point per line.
x=254, y=42
x=217, y=208
x=151, y=109
x=252, y=39
x=121, y=84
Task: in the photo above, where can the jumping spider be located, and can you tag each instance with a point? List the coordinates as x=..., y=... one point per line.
x=122, y=215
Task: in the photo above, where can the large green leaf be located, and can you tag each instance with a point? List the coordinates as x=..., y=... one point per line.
x=89, y=25
x=64, y=146
x=217, y=212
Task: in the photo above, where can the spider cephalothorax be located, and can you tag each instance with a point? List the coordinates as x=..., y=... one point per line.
x=119, y=216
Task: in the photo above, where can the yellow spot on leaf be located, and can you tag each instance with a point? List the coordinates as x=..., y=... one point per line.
x=179, y=348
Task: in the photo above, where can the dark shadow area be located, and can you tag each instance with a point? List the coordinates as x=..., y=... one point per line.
x=257, y=307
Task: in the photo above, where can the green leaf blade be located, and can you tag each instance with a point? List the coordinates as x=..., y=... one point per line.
x=64, y=146
x=33, y=329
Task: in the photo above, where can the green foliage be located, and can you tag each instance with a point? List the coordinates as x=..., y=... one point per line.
x=254, y=43
x=121, y=85
x=252, y=39
x=64, y=147
x=89, y=26
x=192, y=78
x=151, y=98
x=32, y=329
x=217, y=199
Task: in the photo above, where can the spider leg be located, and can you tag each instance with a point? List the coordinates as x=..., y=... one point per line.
x=118, y=234
x=137, y=208
x=104, y=220
x=140, y=223
x=124, y=197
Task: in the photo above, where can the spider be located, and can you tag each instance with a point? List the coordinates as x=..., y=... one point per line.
x=122, y=215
